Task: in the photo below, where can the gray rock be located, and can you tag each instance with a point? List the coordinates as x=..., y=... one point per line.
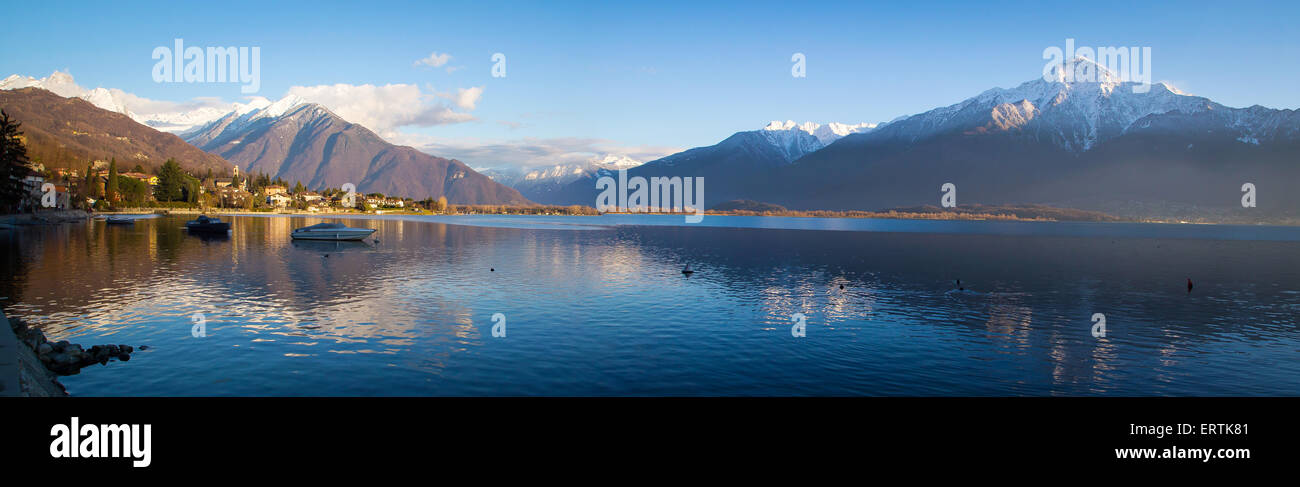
x=44, y=349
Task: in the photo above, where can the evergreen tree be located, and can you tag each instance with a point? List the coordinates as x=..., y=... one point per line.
x=13, y=160
x=171, y=182
x=110, y=189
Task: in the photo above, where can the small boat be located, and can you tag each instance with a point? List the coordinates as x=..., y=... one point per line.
x=119, y=220
x=331, y=231
x=205, y=223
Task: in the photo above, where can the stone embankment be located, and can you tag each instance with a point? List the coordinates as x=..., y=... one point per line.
x=30, y=364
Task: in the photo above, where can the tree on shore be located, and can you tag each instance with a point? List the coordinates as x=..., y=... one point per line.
x=13, y=164
x=110, y=189
x=175, y=185
x=93, y=187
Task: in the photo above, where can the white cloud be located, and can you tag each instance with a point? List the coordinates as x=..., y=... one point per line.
x=384, y=108
x=434, y=60
x=467, y=98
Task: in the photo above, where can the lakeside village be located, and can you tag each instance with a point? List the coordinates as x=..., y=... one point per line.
x=102, y=186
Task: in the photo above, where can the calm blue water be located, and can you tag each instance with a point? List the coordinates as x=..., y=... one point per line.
x=598, y=306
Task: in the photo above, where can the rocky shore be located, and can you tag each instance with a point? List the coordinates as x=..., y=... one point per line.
x=41, y=361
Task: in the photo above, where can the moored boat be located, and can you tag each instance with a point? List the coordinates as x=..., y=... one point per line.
x=331, y=231
x=207, y=224
x=119, y=220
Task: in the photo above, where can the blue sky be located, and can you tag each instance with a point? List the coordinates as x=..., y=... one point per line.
x=658, y=76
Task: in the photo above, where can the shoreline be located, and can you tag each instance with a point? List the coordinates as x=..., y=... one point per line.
x=21, y=372
x=896, y=217
x=54, y=217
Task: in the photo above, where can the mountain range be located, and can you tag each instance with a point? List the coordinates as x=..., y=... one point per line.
x=114, y=100
x=1079, y=137
x=306, y=142
x=69, y=132
x=1097, y=145
x=751, y=154
x=539, y=183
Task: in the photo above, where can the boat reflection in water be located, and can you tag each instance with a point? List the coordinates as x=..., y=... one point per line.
x=330, y=245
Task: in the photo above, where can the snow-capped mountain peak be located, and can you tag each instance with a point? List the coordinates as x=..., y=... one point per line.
x=171, y=118
x=617, y=161
x=1078, y=104
x=281, y=106
x=256, y=103
x=825, y=133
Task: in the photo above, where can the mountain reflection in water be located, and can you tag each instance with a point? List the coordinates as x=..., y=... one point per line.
x=595, y=308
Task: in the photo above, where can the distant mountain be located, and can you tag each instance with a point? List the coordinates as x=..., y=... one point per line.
x=731, y=168
x=67, y=132
x=541, y=183
x=300, y=141
x=1095, y=145
x=747, y=205
x=62, y=84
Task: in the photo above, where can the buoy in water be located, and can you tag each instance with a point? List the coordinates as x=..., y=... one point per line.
x=1189, y=284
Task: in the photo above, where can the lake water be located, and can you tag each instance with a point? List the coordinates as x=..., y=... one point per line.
x=598, y=306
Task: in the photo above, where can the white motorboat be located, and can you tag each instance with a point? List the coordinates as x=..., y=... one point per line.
x=331, y=231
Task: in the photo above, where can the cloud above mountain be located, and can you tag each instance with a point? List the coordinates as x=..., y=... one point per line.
x=384, y=109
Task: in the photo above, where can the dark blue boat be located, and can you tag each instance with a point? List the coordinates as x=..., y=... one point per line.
x=206, y=224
